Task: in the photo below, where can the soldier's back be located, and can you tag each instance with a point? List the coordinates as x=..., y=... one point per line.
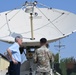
x=43, y=59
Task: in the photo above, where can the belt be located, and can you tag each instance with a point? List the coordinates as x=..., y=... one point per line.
x=18, y=62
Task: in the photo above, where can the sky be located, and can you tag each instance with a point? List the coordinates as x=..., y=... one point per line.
x=68, y=5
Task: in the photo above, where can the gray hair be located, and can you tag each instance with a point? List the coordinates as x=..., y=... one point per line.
x=17, y=37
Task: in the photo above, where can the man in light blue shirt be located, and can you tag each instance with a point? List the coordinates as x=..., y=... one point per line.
x=15, y=57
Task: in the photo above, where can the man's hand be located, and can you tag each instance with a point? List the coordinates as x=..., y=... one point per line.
x=14, y=61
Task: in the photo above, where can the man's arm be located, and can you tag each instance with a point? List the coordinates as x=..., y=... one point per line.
x=10, y=54
x=51, y=56
x=35, y=57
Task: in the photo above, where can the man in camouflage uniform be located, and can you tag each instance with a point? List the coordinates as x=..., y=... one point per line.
x=42, y=58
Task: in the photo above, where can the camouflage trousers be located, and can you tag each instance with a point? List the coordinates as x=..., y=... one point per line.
x=43, y=73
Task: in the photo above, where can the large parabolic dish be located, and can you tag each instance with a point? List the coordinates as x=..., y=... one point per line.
x=52, y=24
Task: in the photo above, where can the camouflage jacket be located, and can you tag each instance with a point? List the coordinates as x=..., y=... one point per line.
x=42, y=58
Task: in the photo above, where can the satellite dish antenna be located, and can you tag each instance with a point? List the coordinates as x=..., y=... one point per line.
x=33, y=23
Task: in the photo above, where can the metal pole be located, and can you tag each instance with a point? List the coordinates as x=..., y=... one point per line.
x=31, y=21
x=59, y=50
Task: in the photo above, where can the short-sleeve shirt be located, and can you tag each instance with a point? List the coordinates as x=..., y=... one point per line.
x=15, y=52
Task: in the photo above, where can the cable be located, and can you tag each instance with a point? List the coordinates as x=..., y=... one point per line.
x=7, y=24
x=58, y=17
x=15, y=14
x=49, y=7
x=54, y=10
x=44, y=5
x=10, y=18
x=35, y=29
x=10, y=11
x=50, y=21
x=42, y=27
x=2, y=26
